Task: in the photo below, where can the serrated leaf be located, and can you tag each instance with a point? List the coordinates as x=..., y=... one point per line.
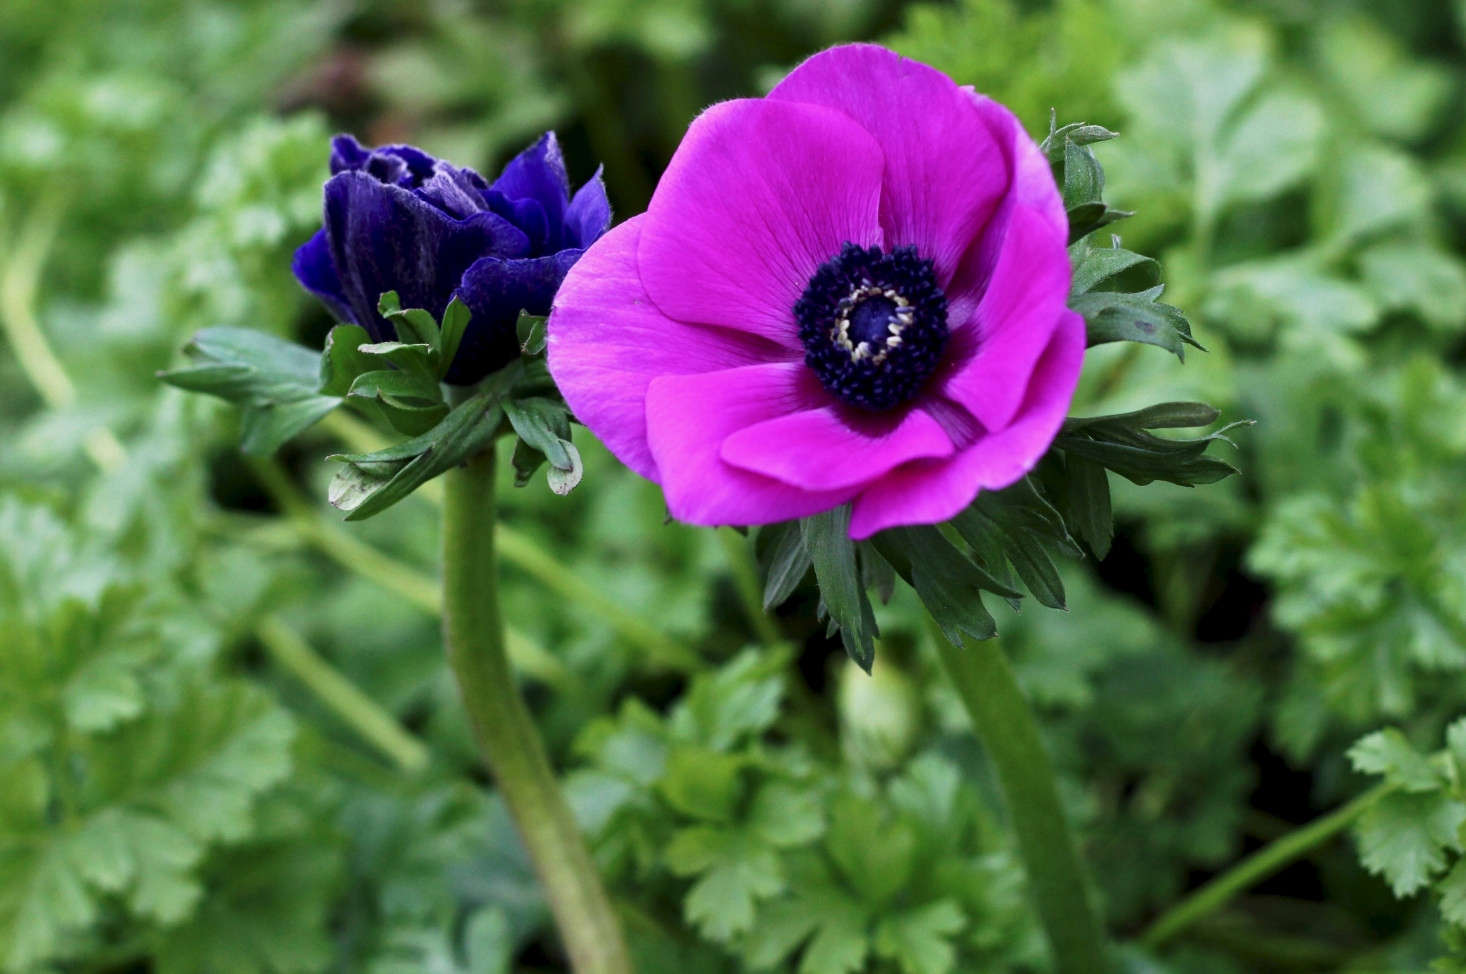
x=1388, y=753
x=946, y=580
x=733, y=875
x=785, y=814
x=1405, y=837
x=1122, y=444
x=1116, y=316
x=919, y=940
x=1094, y=266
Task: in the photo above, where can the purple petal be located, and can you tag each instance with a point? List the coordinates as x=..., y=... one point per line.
x=757, y=196
x=607, y=341
x=495, y=290
x=316, y=273
x=347, y=154
x=454, y=191
x=538, y=173
x=946, y=168
x=829, y=449
x=589, y=214
x=933, y=491
x=1033, y=188
x=689, y=417
x=1024, y=302
x=384, y=238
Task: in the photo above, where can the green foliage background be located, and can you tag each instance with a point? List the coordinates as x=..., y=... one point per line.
x=177, y=796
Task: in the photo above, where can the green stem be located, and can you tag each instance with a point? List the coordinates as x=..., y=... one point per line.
x=1006, y=726
x=18, y=288
x=745, y=580
x=474, y=634
x=1258, y=866
x=340, y=696
x=531, y=558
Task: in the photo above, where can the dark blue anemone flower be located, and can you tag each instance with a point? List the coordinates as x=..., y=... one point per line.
x=399, y=220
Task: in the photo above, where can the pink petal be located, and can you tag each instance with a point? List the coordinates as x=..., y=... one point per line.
x=1033, y=188
x=758, y=195
x=832, y=448
x=990, y=361
x=932, y=491
x=690, y=416
x=946, y=168
x=607, y=341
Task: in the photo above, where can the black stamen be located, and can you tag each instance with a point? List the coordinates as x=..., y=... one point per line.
x=873, y=325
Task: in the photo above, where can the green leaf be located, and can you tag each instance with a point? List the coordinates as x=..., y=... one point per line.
x=1420, y=279
x=1121, y=444
x=1115, y=316
x=702, y=783
x=415, y=358
x=415, y=326
x=275, y=381
x=785, y=814
x=919, y=940
x=945, y=579
x=832, y=553
x=372, y=482
x=875, y=851
x=1388, y=753
x=733, y=875
x=542, y=424
x=530, y=330
x=1094, y=266
x=1405, y=837
x=1452, y=890
x=159, y=791
x=1056, y=143
x=450, y=336
x=397, y=388
x=1086, y=503
x=342, y=360
x=785, y=561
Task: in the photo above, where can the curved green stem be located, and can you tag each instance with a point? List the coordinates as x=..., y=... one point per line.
x=1258, y=866
x=473, y=631
x=340, y=696
x=1005, y=724
x=18, y=286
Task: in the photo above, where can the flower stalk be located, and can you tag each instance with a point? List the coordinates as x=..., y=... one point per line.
x=1006, y=726
x=473, y=631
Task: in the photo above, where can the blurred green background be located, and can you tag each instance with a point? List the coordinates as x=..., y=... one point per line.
x=182, y=789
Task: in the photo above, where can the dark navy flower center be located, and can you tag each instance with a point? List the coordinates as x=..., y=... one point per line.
x=873, y=325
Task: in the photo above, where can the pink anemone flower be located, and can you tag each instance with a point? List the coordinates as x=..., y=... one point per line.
x=851, y=291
